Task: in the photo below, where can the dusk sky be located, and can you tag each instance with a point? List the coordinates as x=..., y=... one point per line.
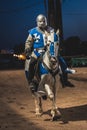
x=17, y=16
x=74, y=15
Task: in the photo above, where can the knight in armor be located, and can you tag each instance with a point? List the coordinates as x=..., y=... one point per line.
x=35, y=46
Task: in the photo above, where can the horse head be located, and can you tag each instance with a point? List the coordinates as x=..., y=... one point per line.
x=50, y=58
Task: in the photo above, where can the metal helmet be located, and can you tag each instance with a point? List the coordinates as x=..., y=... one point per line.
x=41, y=21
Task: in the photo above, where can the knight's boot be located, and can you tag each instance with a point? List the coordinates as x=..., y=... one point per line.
x=64, y=79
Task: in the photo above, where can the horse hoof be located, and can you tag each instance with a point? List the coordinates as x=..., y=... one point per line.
x=39, y=113
x=44, y=97
x=51, y=96
x=56, y=115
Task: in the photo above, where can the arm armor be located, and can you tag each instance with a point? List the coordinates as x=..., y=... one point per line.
x=28, y=46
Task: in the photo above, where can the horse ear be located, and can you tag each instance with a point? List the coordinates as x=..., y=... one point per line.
x=57, y=32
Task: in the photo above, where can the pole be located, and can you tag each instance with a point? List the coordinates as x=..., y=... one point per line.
x=58, y=17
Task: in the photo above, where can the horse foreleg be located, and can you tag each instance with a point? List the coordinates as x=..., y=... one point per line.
x=38, y=106
x=55, y=113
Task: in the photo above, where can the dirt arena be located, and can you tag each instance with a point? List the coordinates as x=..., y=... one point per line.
x=17, y=104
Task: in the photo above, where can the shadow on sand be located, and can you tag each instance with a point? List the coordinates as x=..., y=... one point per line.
x=76, y=113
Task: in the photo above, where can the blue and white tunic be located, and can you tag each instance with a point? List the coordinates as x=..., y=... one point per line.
x=38, y=39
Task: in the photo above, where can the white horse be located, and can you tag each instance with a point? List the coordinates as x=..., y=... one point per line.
x=48, y=68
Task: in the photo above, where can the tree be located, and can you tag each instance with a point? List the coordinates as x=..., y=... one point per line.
x=72, y=45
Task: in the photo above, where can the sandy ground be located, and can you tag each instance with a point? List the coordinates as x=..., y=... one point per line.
x=17, y=104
